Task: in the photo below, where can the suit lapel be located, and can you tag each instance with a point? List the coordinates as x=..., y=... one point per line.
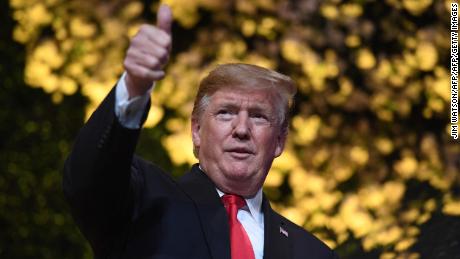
x=276, y=235
x=212, y=214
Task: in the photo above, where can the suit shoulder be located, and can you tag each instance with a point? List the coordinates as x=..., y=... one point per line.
x=146, y=173
x=141, y=164
x=304, y=242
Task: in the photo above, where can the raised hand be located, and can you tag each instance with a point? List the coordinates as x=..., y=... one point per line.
x=148, y=53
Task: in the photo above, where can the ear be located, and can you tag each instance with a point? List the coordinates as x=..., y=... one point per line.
x=280, y=141
x=196, y=133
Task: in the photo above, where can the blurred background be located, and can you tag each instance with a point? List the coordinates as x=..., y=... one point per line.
x=369, y=167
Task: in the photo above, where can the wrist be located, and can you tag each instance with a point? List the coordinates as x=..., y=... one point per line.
x=136, y=87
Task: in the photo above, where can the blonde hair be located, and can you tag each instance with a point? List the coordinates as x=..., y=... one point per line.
x=246, y=77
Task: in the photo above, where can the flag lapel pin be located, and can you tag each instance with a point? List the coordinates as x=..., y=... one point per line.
x=284, y=232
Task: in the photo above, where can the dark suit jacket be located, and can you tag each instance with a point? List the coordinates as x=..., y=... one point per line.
x=129, y=208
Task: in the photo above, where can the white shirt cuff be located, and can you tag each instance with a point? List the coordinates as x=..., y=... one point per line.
x=129, y=111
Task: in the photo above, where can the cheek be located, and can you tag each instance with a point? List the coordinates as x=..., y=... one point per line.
x=268, y=142
x=211, y=136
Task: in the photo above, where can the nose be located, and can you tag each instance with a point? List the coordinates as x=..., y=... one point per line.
x=241, y=126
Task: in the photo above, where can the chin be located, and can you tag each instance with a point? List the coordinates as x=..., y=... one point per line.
x=238, y=171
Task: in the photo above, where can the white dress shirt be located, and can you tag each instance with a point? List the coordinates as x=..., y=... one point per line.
x=252, y=219
x=129, y=113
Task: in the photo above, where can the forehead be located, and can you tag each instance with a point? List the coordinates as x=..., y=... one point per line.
x=262, y=98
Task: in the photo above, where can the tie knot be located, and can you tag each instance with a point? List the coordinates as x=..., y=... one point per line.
x=233, y=200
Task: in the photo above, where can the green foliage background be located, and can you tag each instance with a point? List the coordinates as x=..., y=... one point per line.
x=370, y=167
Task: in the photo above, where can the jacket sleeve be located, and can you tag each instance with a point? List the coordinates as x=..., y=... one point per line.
x=97, y=180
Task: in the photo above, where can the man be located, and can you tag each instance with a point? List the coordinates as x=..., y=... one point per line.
x=128, y=208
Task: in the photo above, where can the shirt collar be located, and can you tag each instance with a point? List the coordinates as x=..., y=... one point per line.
x=254, y=204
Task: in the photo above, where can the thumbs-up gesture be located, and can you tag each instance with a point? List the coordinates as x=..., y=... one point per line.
x=148, y=53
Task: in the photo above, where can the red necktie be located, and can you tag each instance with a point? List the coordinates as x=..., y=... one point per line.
x=240, y=244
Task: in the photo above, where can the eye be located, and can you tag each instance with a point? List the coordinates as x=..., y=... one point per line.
x=260, y=118
x=224, y=114
x=222, y=111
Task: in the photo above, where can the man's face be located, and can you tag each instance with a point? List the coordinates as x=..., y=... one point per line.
x=238, y=136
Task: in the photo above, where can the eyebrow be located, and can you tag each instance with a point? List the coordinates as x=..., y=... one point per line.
x=234, y=105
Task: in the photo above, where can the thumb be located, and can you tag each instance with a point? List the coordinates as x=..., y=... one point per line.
x=164, y=18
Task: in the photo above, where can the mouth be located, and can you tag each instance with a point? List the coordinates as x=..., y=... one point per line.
x=240, y=153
